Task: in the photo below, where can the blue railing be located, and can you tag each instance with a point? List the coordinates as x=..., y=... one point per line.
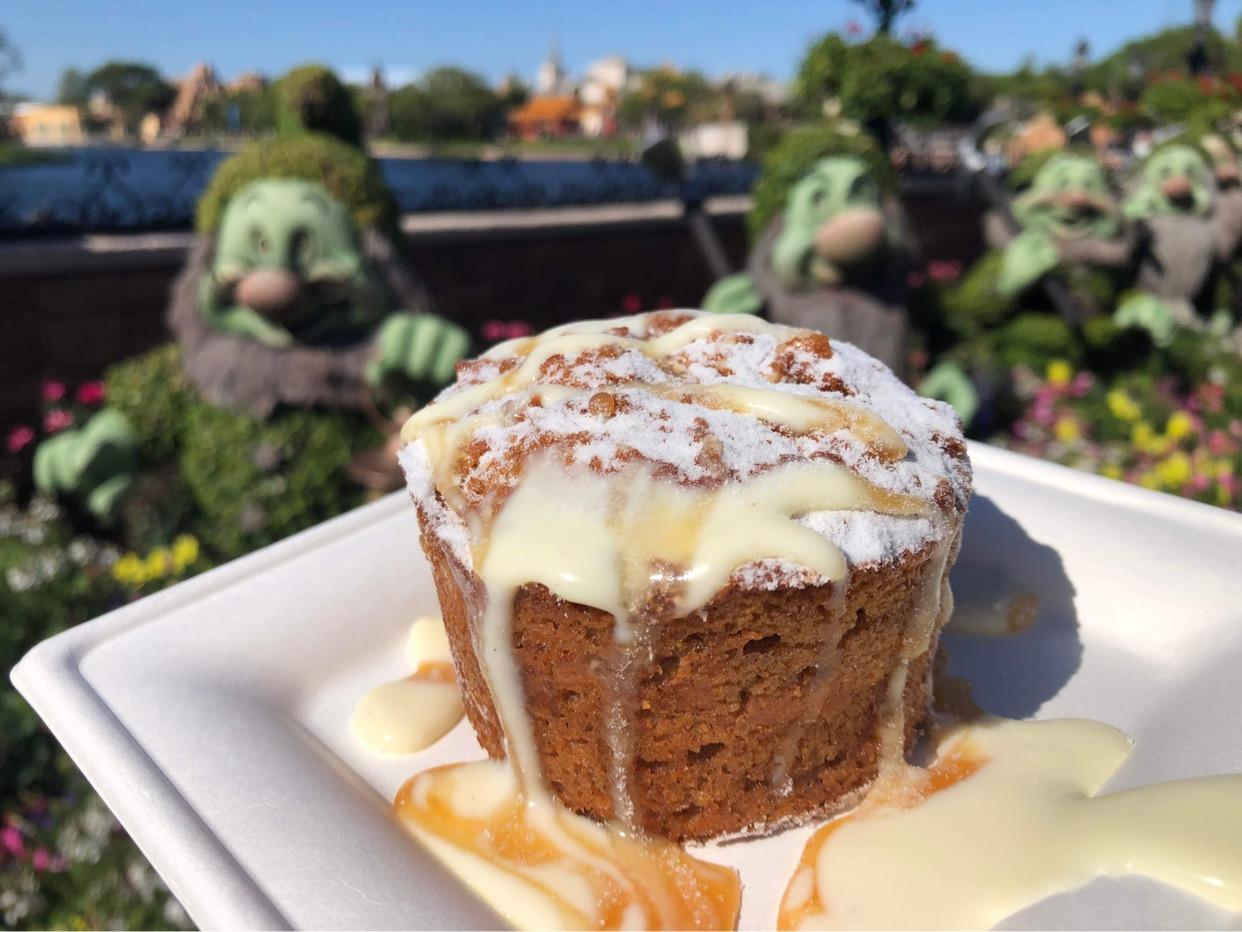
x=128, y=190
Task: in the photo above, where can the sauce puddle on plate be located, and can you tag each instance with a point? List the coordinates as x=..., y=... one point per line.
x=411, y=714
x=1007, y=815
x=542, y=867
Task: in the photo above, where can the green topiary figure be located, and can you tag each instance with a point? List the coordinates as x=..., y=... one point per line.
x=295, y=323
x=312, y=99
x=1057, y=261
x=1191, y=234
x=830, y=251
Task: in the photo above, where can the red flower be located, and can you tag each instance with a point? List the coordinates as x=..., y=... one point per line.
x=53, y=390
x=19, y=438
x=91, y=393
x=631, y=303
x=57, y=420
x=664, y=302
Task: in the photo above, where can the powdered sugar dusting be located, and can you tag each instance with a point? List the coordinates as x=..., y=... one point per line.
x=689, y=442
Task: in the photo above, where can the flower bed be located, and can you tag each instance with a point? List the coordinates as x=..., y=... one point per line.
x=1139, y=429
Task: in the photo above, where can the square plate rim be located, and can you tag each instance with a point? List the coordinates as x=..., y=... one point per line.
x=165, y=824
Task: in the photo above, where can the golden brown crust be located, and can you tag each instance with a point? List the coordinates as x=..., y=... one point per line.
x=715, y=703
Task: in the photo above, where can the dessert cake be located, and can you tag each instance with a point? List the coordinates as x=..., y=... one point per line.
x=692, y=567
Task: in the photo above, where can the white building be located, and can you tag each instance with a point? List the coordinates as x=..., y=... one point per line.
x=551, y=78
x=601, y=89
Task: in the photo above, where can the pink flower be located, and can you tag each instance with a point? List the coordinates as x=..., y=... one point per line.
x=664, y=302
x=1082, y=384
x=57, y=420
x=91, y=393
x=1218, y=443
x=631, y=303
x=11, y=840
x=19, y=438
x=53, y=390
x=853, y=28
x=497, y=330
x=944, y=270
x=1199, y=482
x=41, y=860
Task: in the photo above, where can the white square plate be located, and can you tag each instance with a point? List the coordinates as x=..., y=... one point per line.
x=214, y=717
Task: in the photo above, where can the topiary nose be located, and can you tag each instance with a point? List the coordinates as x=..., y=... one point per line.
x=1176, y=189
x=271, y=292
x=851, y=237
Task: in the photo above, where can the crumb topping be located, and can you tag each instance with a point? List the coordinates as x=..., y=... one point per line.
x=607, y=406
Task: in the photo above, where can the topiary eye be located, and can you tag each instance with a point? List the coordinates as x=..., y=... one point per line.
x=817, y=196
x=302, y=247
x=259, y=242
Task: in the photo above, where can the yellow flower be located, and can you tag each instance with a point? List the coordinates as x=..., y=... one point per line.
x=129, y=570
x=184, y=551
x=1174, y=472
x=1111, y=470
x=1059, y=373
x=1146, y=440
x=1066, y=429
x=1123, y=407
x=1222, y=495
x=1149, y=480
x=1180, y=426
x=158, y=563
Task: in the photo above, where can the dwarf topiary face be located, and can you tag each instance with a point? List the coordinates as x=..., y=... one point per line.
x=1174, y=182
x=832, y=224
x=1069, y=197
x=288, y=267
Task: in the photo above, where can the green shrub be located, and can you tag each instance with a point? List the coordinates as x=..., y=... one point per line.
x=153, y=393
x=1035, y=339
x=255, y=482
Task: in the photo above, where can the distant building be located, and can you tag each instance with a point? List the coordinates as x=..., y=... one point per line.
x=547, y=117
x=728, y=139
x=104, y=113
x=376, y=104
x=248, y=82
x=551, y=79
x=48, y=124
x=193, y=92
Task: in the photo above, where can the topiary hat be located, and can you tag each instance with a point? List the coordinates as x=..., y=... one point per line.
x=347, y=173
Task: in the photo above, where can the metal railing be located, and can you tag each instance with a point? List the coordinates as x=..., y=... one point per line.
x=132, y=190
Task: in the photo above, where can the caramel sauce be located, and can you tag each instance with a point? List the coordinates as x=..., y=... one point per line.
x=567, y=868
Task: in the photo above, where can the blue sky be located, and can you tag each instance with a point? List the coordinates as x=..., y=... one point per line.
x=496, y=37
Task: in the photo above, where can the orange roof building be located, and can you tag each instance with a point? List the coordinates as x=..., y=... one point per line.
x=546, y=116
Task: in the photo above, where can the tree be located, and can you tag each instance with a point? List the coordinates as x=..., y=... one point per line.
x=669, y=99
x=447, y=103
x=136, y=89
x=10, y=60
x=886, y=12
x=72, y=88
x=882, y=80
